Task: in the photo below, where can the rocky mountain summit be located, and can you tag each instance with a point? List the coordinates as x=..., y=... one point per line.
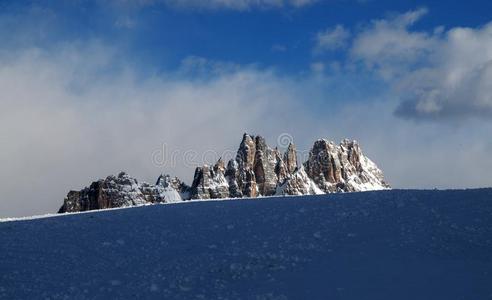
x=257, y=170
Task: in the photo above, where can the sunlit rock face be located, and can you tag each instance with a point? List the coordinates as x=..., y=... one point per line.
x=342, y=168
x=290, y=158
x=257, y=170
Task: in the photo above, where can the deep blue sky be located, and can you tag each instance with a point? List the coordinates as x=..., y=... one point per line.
x=161, y=36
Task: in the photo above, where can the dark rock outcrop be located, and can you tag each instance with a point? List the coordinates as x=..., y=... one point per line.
x=114, y=191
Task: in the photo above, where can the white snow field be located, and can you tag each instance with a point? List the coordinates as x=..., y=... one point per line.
x=371, y=245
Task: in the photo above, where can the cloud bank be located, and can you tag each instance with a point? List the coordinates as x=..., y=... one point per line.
x=439, y=75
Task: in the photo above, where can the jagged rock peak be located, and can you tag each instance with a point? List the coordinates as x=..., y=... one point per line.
x=342, y=168
x=246, y=152
x=210, y=183
x=264, y=167
x=257, y=170
x=168, y=181
x=290, y=158
x=219, y=166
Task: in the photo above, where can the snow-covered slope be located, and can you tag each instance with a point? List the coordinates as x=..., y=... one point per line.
x=372, y=245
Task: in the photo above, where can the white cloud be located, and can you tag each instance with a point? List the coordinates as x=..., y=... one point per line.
x=239, y=4
x=299, y=3
x=439, y=74
x=388, y=46
x=220, y=4
x=331, y=39
x=201, y=66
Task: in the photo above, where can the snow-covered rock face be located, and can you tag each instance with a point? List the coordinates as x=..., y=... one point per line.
x=257, y=170
x=171, y=189
x=118, y=191
x=210, y=183
x=298, y=184
x=342, y=168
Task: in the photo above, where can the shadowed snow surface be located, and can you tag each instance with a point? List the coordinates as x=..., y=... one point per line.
x=371, y=245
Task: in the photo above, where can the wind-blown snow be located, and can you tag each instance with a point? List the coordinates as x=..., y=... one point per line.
x=371, y=245
x=308, y=187
x=171, y=195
